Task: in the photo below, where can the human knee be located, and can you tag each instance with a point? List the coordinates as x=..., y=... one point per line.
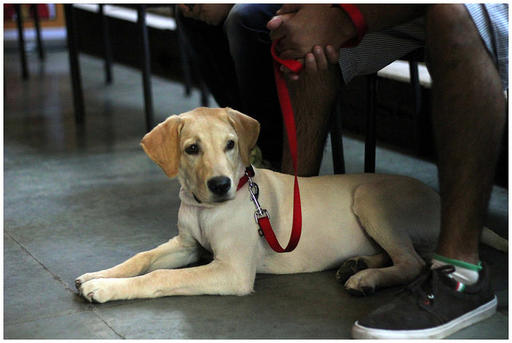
x=449, y=31
x=449, y=23
x=253, y=17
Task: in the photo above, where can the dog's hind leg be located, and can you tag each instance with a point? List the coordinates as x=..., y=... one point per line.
x=177, y=252
x=393, y=212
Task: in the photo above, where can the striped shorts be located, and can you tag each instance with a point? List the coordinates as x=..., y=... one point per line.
x=379, y=49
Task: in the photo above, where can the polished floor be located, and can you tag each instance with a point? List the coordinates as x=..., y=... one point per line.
x=82, y=199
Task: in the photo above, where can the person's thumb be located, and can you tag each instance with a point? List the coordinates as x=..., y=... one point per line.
x=274, y=23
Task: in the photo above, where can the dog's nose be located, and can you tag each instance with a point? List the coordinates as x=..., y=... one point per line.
x=219, y=185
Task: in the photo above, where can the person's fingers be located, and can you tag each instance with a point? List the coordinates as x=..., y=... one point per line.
x=332, y=54
x=290, y=75
x=311, y=63
x=321, y=59
x=293, y=77
x=274, y=23
x=289, y=8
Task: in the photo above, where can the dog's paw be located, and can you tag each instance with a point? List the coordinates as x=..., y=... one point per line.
x=363, y=283
x=99, y=290
x=79, y=281
x=349, y=268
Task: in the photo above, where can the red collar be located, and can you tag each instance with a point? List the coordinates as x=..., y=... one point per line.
x=249, y=172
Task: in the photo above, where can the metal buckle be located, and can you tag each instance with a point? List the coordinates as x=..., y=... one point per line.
x=257, y=216
x=260, y=212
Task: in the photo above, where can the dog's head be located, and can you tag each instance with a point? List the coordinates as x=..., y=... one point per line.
x=206, y=148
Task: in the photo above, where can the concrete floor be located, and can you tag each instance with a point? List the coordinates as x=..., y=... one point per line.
x=77, y=201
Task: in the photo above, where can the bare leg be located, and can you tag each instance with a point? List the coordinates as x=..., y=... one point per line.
x=313, y=97
x=468, y=115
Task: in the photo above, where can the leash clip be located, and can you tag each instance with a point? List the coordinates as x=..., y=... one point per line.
x=260, y=212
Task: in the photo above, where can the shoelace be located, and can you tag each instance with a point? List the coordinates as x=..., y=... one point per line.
x=426, y=284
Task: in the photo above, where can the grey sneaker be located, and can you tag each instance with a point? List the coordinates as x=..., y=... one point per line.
x=432, y=306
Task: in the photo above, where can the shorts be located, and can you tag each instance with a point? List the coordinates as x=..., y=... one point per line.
x=379, y=49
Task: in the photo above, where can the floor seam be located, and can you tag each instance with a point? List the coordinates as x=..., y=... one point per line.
x=94, y=310
x=97, y=314
x=55, y=276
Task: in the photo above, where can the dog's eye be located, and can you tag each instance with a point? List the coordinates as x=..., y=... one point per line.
x=192, y=149
x=230, y=145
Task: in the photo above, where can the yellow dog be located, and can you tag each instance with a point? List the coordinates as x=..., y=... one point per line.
x=376, y=223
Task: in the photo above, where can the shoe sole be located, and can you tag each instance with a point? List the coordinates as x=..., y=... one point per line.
x=480, y=313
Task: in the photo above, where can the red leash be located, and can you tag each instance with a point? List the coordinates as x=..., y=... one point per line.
x=261, y=215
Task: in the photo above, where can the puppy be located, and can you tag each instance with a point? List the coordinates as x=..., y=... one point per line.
x=376, y=224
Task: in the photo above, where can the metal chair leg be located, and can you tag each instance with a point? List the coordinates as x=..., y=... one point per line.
x=416, y=88
x=370, y=144
x=338, y=158
x=107, y=50
x=76, y=82
x=184, y=55
x=37, y=25
x=415, y=81
x=205, y=93
x=21, y=42
x=146, y=66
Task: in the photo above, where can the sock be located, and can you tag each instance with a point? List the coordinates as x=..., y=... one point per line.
x=465, y=273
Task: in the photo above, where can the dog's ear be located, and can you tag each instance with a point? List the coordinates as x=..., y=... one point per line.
x=247, y=130
x=162, y=145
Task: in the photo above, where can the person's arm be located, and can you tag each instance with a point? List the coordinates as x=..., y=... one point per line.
x=301, y=27
x=381, y=17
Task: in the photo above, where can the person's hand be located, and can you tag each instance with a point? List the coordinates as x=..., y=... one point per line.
x=212, y=14
x=300, y=27
x=316, y=61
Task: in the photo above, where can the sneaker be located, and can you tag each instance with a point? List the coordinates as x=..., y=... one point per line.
x=432, y=306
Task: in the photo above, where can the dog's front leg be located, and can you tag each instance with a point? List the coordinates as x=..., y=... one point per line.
x=218, y=277
x=177, y=252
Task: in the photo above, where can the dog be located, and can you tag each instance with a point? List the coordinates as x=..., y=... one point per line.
x=376, y=227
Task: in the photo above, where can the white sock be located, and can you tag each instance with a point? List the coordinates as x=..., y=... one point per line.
x=461, y=274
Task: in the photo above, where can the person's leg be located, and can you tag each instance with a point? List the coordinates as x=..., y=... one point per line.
x=314, y=94
x=313, y=97
x=249, y=46
x=468, y=108
x=469, y=114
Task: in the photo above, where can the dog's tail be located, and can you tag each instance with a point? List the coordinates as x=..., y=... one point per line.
x=494, y=240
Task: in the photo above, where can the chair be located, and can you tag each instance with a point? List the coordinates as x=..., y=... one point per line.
x=145, y=60
x=21, y=38
x=371, y=141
